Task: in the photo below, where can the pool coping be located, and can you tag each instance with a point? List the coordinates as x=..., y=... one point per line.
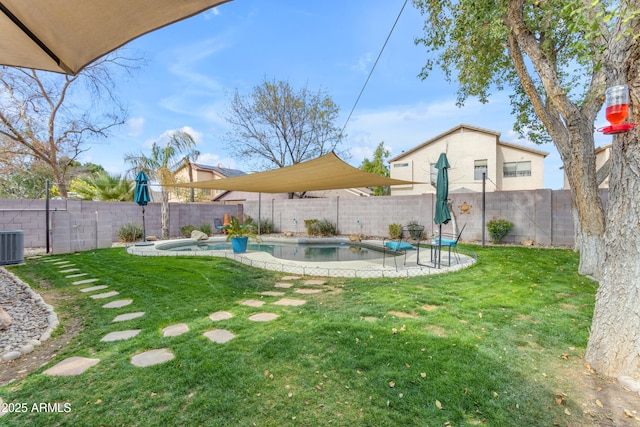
x=357, y=269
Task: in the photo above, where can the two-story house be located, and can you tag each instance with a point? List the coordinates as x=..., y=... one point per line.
x=471, y=151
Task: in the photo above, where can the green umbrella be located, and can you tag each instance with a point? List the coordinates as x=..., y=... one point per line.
x=141, y=197
x=442, y=215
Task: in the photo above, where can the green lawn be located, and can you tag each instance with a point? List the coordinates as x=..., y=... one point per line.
x=483, y=346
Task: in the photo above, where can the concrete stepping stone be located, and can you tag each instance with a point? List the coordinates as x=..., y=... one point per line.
x=307, y=291
x=128, y=316
x=152, y=357
x=85, y=281
x=272, y=294
x=283, y=285
x=290, y=301
x=117, y=304
x=220, y=315
x=314, y=282
x=175, y=330
x=61, y=262
x=219, y=336
x=49, y=260
x=291, y=277
x=94, y=288
x=120, y=335
x=71, y=276
x=71, y=366
x=69, y=270
x=105, y=295
x=263, y=317
x=253, y=303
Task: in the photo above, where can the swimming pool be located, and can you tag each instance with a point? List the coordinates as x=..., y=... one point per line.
x=310, y=252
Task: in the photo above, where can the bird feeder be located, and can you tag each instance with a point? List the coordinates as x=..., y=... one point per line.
x=617, y=110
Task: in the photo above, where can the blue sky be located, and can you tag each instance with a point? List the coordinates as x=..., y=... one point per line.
x=195, y=65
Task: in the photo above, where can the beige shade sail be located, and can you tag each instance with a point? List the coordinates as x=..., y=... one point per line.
x=327, y=172
x=66, y=35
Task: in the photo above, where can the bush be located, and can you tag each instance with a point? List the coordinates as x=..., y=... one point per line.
x=266, y=226
x=320, y=227
x=395, y=231
x=185, y=231
x=130, y=232
x=416, y=230
x=498, y=228
x=205, y=228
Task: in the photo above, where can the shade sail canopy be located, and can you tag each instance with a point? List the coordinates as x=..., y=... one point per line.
x=66, y=35
x=327, y=172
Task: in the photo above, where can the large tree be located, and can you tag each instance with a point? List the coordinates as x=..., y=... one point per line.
x=163, y=164
x=558, y=56
x=52, y=118
x=378, y=166
x=278, y=126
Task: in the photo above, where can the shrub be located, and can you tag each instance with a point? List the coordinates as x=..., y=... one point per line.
x=498, y=228
x=266, y=226
x=395, y=231
x=205, y=228
x=320, y=227
x=416, y=230
x=185, y=231
x=130, y=232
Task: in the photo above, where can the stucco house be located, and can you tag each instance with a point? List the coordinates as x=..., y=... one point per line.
x=471, y=150
x=201, y=172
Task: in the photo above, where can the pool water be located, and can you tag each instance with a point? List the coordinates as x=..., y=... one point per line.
x=298, y=252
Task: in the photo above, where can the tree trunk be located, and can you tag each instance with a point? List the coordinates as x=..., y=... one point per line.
x=614, y=342
x=165, y=214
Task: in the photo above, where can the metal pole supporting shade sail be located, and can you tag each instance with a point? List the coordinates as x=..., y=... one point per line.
x=66, y=35
x=142, y=197
x=442, y=214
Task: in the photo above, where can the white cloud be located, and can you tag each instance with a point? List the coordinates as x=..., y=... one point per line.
x=136, y=126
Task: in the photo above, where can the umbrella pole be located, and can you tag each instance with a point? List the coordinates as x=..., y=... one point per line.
x=144, y=230
x=439, y=245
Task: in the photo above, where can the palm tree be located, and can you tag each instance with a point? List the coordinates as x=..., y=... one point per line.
x=104, y=187
x=163, y=164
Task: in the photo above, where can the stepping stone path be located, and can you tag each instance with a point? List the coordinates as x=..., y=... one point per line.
x=263, y=317
x=71, y=366
x=253, y=303
x=175, y=330
x=128, y=316
x=220, y=315
x=105, y=295
x=94, y=288
x=84, y=282
x=219, y=336
x=117, y=304
x=78, y=365
x=120, y=335
x=152, y=357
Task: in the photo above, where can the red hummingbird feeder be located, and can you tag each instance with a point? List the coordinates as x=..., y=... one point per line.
x=617, y=103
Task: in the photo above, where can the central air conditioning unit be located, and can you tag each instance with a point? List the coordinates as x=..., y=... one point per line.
x=11, y=247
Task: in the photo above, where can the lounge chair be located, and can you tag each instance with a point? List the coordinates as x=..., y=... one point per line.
x=409, y=240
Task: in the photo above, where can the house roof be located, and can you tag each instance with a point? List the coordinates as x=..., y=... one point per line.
x=327, y=172
x=469, y=127
x=225, y=172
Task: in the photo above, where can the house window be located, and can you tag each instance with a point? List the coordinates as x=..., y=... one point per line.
x=479, y=167
x=515, y=169
x=401, y=165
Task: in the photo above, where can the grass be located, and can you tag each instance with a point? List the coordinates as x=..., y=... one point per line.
x=484, y=346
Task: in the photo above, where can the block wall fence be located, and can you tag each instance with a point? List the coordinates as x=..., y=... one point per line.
x=541, y=216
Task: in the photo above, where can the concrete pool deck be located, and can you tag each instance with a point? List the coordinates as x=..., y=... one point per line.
x=363, y=269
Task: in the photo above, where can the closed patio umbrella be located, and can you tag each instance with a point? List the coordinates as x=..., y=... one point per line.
x=142, y=198
x=442, y=215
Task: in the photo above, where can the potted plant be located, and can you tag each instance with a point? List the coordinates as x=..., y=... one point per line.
x=239, y=234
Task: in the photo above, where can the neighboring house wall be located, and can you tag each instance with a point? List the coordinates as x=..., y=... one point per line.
x=202, y=173
x=470, y=150
x=242, y=196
